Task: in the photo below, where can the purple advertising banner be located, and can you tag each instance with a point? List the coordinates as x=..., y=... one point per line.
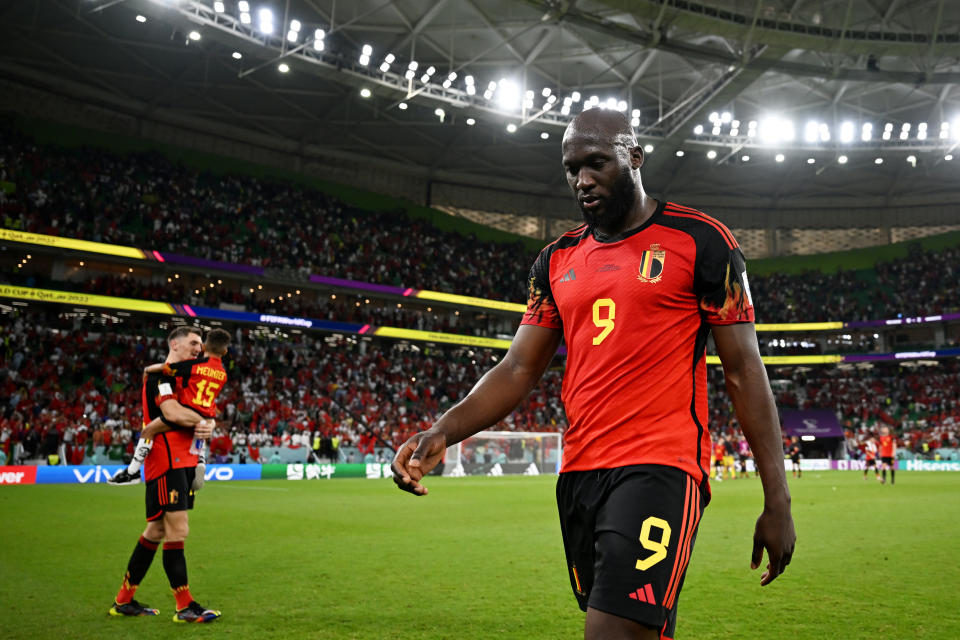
x=191, y=261
x=356, y=284
x=821, y=423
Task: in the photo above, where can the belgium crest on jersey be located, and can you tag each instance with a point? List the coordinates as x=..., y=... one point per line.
x=651, y=264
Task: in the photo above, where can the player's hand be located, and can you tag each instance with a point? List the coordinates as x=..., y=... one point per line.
x=204, y=429
x=416, y=458
x=775, y=533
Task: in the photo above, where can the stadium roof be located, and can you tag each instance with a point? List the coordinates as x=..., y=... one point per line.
x=822, y=81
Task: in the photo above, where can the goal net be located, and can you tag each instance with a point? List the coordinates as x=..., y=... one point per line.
x=496, y=453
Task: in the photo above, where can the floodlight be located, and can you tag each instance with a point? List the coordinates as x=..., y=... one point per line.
x=439, y=113
x=811, y=160
x=366, y=50
x=402, y=106
x=779, y=157
x=141, y=19
x=413, y=66
x=194, y=35
x=508, y=94
x=680, y=153
x=546, y=92
x=647, y=148
x=912, y=160
x=365, y=92
x=842, y=159
x=575, y=96
x=878, y=161
x=714, y=117
x=431, y=70
x=846, y=132
x=745, y=158
x=711, y=154
x=621, y=105
x=384, y=67
x=635, y=122
x=292, y=35
x=698, y=130
x=218, y=7
x=236, y=55
x=409, y=74
x=283, y=67
x=425, y=78
x=734, y=131
x=468, y=80
x=452, y=76
x=511, y=127
x=295, y=25
x=726, y=117
x=565, y=109
x=811, y=132
x=544, y=135
x=716, y=130
x=471, y=122
x=471, y=90
x=948, y=157
x=266, y=20
x=612, y=104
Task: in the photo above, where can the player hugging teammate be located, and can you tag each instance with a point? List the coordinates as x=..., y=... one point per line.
x=179, y=402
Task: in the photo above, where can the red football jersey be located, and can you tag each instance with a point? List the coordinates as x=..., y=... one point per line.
x=886, y=446
x=635, y=311
x=171, y=450
x=198, y=383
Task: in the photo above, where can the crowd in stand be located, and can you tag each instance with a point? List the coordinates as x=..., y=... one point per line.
x=144, y=199
x=72, y=380
x=75, y=380
x=61, y=374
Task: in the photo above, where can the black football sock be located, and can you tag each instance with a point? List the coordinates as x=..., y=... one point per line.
x=892, y=475
x=137, y=568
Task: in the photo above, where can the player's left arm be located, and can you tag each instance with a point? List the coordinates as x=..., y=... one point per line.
x=749, y=389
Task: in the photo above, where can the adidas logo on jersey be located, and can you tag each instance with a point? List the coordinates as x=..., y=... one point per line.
x=568, y=276
x=644, y=594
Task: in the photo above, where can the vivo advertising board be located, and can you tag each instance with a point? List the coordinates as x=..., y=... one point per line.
x=99, y=474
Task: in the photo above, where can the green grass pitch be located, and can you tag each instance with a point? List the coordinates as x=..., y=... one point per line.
x=477, y=558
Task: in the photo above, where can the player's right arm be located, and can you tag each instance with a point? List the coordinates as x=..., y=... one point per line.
x=178, y=414
x=154, y=368
x=494, y=396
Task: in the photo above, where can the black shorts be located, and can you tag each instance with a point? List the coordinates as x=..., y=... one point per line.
x=887, y=460
x=628, y=534
x=795, y=459
x=871, y=463
x=170, y=492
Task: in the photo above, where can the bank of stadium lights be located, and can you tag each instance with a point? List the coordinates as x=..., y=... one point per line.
x=635, y=118
x=412, y=70
x=428, y=74
x=365, y=54
x=293, y=34
x=319, y=36
x=450, y=79
x=387, y=61
x=471, y=87
x=244, y=8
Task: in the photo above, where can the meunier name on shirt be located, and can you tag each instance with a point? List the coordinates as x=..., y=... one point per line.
x=210, y=372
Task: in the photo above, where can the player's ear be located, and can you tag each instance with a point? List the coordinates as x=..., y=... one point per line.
x=637, y=157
